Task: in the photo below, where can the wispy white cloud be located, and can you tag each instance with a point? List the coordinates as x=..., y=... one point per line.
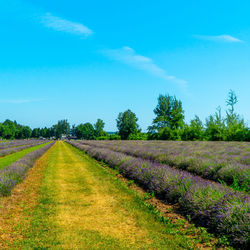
x=220, y=38
x=64, y=25
x=19, y=101
x=128, y=56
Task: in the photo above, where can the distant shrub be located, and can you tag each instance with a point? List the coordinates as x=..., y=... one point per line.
x=114, y=137
x=138, y=136
x=102, y=138
x=169, y=134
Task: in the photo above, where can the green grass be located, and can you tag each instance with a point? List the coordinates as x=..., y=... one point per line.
x=42, y=231
x=8, y=159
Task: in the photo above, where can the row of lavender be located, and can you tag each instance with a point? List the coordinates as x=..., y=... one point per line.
x=15, y=172
x=219, y=161
x=19, y=145
x=210, y=204
x=15, y=143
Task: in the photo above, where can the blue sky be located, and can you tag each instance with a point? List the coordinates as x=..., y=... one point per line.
x=84, y=60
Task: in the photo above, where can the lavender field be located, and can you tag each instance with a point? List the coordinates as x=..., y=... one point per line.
x=208, y=180
x=219, y=161
x=10, y=147
x=15, y=172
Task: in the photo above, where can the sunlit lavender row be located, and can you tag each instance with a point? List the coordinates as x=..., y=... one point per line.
x=15, y=172
x=15, y=143
x=210, y=204
x=19, y=145
x=220, y=161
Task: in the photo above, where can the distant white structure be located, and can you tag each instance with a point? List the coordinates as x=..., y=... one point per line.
x=64, y=137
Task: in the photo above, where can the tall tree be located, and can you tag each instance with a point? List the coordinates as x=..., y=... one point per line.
x=62, y=127
x=99, y=126
x=73, y=130
x=26, y=132
x=36, y=133
x=231, y=101
x=85, y=131
x=235, y=126
x=215, y=127
x=127, y=124
x=169, y=113
x=10, y=129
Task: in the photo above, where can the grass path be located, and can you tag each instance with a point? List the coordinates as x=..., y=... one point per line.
x=68, y=201
x=8, y=159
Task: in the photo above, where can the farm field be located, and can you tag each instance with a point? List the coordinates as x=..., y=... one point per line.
x=14, y=166
x=10, y=158
x=75, y=203
x=10, y=147
x=219, y=161
x=222, y=208
x=124, y=125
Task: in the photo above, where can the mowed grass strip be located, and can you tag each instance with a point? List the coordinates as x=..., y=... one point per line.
x=8, y=159
x=80, y=205
x=16, y=211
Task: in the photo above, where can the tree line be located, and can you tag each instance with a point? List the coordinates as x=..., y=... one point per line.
x=168, y=124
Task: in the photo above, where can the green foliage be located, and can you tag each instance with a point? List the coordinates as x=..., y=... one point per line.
x=231, y=101
x=195, y=131
x=13, y=130
x=62, y=127
x=127, y=124
x=169, y=134
x=102, y=138
x=8, y=130
x=99, y=126
x=169, y=124
x=138, y=136
x=235, y=126
x=85, y=131
x=215, y=127
x=114, y=137
x=169, y=114
x=36, y=133
x=26, y=132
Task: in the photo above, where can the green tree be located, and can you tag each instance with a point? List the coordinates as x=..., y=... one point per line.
x=215, y=127
x=236, y=129
x=19, y=131
x=169, y=118
x=26, y=132
x=194, y=131
x=36, y=133
x=127, y=124
x=169, y=113
x=62, y=127
x=114, y=137
x=231, y=101
x=5, y=132
x=73, y=130
x=138, y=136
x=85, y=131
x=99, y=126
x=9, y=129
